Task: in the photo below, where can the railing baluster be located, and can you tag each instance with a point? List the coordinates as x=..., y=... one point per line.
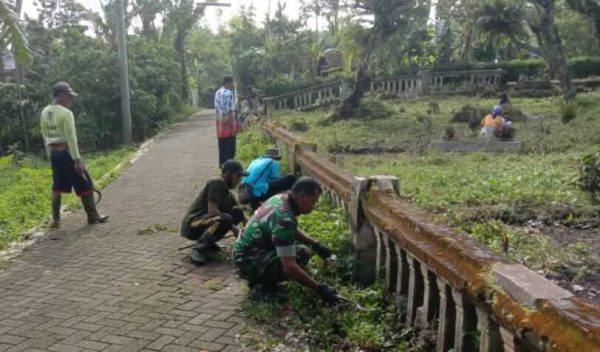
x=464, y=325
x=379, y=254
x=390, y=267
x=509, y=342
x=415, y=290
x=489, y=334
x=430, y=297
x=445, y=332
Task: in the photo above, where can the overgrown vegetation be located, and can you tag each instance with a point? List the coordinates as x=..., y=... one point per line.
x=589, y=175
x=529, y=206
x=306, y=323
x=25, y=189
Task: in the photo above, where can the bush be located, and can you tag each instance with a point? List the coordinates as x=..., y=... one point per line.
x=589, y=175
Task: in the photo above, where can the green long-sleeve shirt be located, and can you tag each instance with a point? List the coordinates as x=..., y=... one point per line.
x=58, y=126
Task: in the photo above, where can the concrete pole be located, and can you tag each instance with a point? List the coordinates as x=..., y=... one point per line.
x=123, y=74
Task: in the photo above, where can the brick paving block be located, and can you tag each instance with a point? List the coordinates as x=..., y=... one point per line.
x=168, y=331
x=212, y=334
x=64, y=348
x=59, y=330
x=227, y=340
x=160, y=343
x=186, y=338
x=117, y=340
x=200, y=318
x=89, y=327
x=143, y=335
x=176, y=348
x=218, y=324
x=207, y=346
x=77, y=337
x=92, y=345
x=11, y=339
x=194, y=328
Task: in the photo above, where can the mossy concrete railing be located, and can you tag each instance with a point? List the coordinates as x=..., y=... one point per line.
x=441, y=280
x=423, y=83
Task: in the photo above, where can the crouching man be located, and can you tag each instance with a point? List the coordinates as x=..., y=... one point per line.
x=214, y=213
x=268, y=251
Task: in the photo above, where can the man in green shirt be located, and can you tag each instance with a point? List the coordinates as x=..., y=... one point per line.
x=268, y=253
x=214, y=212
x=68, y=171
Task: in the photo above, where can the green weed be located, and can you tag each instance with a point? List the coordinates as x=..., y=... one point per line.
x=25, y=190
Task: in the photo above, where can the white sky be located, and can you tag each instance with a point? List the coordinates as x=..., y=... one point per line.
x=215, y=16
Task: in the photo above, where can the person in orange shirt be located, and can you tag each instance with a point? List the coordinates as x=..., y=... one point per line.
x=491, y=123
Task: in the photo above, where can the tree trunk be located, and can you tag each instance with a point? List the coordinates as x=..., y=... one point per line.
x=553, y=48
x=466, y=56
x=349, y=105
x=180, y=48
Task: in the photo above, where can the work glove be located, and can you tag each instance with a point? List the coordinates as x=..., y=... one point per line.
x=321, y=250
x=328, y=294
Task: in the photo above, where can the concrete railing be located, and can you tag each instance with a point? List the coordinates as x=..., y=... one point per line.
x=441, y=280
x=307, y=98
x=424, y=83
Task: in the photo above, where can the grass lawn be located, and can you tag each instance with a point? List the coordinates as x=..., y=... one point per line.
x=527, y=205
x=25, y=190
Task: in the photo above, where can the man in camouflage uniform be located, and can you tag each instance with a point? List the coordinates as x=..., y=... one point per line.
x=268, y=253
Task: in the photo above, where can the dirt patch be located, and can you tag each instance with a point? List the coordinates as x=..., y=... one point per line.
x=587, y=287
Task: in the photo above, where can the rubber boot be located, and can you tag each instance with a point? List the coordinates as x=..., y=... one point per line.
x=56, y=199
x=89, y=205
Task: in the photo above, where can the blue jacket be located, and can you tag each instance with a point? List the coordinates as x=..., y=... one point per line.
x=269, y=168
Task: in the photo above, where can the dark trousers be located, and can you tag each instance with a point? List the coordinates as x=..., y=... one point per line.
x=263, y=266
x=279, y=185
x=64, y=176
x=226, y=149
x=218, y=225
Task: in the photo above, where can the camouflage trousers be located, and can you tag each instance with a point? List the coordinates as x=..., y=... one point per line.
x=263, y=266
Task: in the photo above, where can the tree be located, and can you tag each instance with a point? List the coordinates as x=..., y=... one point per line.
x=392, y=23
x=536, y=17
x=591, y=9
x=182, y=15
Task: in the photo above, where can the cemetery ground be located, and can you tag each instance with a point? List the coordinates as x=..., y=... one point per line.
x=526, y=205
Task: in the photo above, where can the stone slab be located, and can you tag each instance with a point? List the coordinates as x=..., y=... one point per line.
x=526, y=286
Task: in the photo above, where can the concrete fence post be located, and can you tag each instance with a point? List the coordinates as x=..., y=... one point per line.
x=364, y=238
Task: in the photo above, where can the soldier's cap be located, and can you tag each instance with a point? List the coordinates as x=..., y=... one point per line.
x=63, y=87
x=233, y=166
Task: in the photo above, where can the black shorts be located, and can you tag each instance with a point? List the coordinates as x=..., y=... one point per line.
x=64, y=176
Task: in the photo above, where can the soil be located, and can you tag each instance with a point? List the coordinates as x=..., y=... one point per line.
x=589, y=286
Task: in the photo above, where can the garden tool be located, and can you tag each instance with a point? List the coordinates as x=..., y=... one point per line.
x=86, y=176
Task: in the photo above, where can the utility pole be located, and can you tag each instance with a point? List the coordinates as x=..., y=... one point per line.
x=20, y=80
x=123, y=73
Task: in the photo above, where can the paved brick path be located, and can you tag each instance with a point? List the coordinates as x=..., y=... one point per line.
x=111, y=288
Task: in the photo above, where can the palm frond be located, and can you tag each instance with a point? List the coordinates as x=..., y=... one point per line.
x=12, y=34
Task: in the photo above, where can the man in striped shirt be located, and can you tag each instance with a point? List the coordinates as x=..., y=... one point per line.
x=227, y=126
